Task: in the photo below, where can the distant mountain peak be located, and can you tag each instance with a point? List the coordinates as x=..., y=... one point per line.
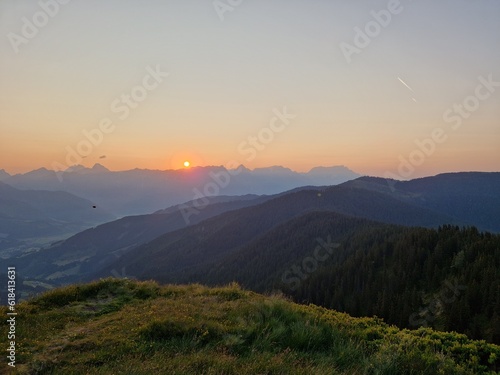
x=3, y=175
x=39, y=173
x=99, y=168
x=78, y=168
x=242, y=168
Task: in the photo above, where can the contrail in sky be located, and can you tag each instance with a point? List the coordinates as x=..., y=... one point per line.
x=408, y=86
x=404, y=83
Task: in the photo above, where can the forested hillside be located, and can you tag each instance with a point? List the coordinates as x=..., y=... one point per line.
x=447, y=278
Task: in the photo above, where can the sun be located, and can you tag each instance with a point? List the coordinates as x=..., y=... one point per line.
x=187, y=163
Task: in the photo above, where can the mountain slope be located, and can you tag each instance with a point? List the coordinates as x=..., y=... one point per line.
x=472, y=198
x=3, y=175
x=86, y=253
x=448, y=279
x=26, y=214
x=365, y=197
x=94, y=248
x=215, y=238
x=121, y=326
x=346, y=263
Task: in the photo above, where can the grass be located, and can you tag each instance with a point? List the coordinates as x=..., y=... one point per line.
x=117, y=326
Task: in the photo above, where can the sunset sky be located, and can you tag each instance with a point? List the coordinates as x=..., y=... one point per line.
x=207, y=77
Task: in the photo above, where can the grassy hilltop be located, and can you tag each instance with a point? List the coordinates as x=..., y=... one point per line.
x=118, y=326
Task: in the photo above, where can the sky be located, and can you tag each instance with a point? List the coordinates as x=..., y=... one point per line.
x=387, y=88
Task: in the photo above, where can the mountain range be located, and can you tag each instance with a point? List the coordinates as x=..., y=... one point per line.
x=103, y=195
x=177, y=253
x=227, y=223
x=329, y=245
x=142, y=191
